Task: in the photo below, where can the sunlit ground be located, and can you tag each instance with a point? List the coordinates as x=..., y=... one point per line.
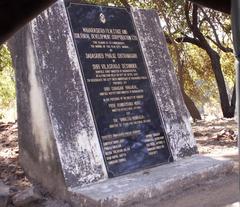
x=9, y=115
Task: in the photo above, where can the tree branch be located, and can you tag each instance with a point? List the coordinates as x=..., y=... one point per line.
x=125, y=3
x=195, y=16
x=217, y=42
x=186, y=10
x=190, y=40
x=220, y=46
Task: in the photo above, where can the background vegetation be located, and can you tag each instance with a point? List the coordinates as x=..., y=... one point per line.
x=199, y=41
x=7, y=83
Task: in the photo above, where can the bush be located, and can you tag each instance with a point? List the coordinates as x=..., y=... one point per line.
x=7, y=82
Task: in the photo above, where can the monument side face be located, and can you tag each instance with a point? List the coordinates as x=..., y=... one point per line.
x=164, y=83
x=37, y=149
x=67, y=106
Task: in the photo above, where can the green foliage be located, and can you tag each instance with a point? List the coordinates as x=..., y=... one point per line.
x=7, y=82
x=198, y=79
x=227, y=62
x=206, y=27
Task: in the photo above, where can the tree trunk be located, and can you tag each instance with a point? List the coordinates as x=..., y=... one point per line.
x=180, y=68
x=227, y=109
x=193, y=110
x=199, y=40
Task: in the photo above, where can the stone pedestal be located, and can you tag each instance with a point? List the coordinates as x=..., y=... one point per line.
x=156, y=183
x=60, y=140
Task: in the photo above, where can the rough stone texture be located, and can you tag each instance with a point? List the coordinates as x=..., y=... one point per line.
x=156, y=182
x=59, y=146
x=68, y=105
x=164, y=83
x=4, y=194
x=38, y=153
x=56, y=127
x=26, y=197
x=56, y=203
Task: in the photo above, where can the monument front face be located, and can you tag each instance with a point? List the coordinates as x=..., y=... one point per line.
x=127, y=119
x=108, y=102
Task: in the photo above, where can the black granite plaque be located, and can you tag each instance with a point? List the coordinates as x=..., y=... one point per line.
x=127, y=119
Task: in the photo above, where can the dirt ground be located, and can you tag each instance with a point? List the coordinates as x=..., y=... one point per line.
x=217, y=138
x=11, y=172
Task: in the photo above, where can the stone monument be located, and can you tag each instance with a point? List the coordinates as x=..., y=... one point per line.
x=98, y=101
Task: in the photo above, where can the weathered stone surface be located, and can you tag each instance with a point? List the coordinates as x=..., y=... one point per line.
x=4, y=194
x=157, y=182
x=55, y=203
x=59, y=145
x=107, y=106
x=37, y=148
x=26, y=197
x=57, y=136
x=164, y=83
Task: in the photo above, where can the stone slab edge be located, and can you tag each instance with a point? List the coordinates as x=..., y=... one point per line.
x=174, y=113
x=153, y=183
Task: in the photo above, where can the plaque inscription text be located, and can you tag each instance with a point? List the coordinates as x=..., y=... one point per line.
x=127, y=119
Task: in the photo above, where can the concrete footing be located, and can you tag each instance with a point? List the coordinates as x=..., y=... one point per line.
x=157, y=182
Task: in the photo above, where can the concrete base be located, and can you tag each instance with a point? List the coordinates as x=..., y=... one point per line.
x=157, y=182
